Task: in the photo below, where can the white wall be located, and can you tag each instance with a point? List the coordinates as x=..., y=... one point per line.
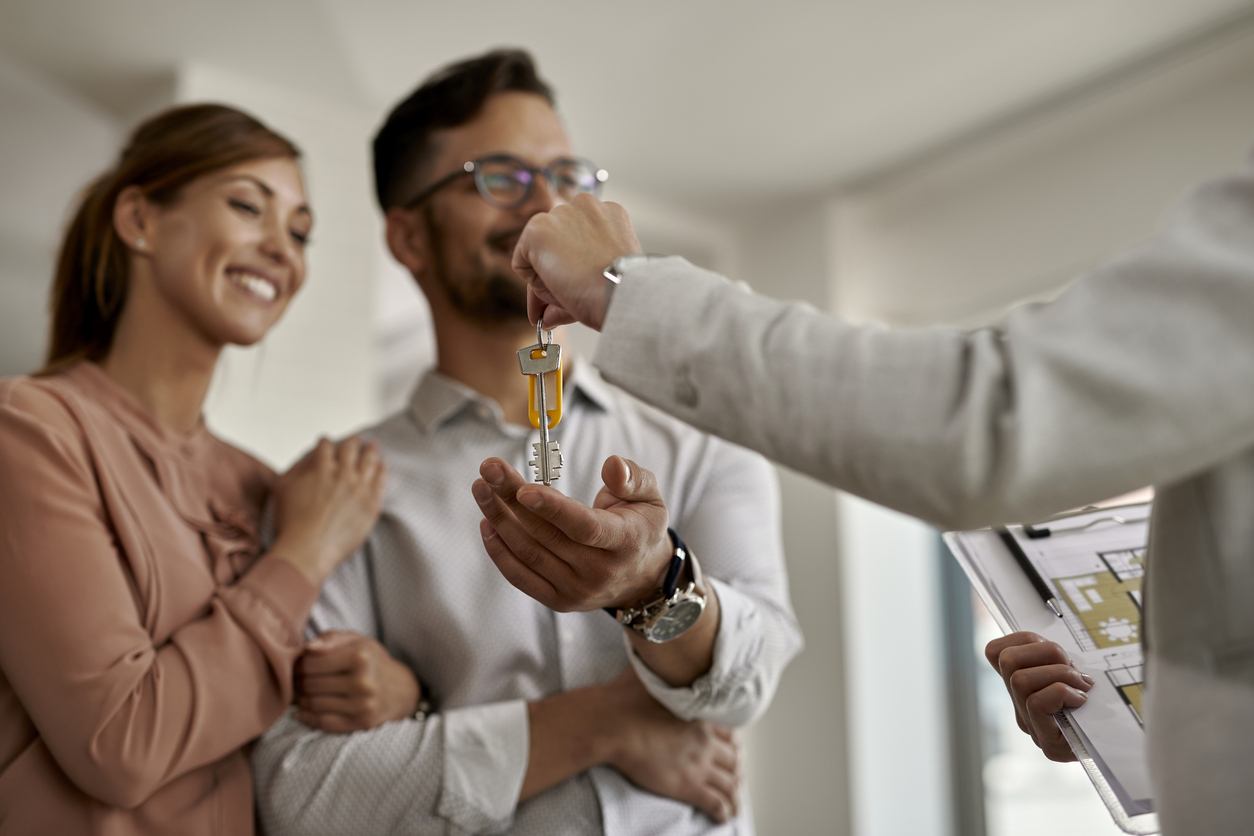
x=798, y=751
x=1020, y=211
x=51, y=145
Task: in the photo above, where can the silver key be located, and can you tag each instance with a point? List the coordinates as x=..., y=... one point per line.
x=546, y=455
x=546, y=461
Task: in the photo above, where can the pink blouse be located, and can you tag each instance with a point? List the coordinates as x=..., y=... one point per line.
x=143, y=644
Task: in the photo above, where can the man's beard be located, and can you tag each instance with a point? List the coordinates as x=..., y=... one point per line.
x=483, y=294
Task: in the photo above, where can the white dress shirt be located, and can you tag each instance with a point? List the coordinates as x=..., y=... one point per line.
x=424, y=587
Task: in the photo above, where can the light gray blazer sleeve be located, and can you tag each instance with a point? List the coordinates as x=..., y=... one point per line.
x=1140, y=373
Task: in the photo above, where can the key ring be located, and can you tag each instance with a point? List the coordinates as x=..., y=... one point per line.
x=538, y=361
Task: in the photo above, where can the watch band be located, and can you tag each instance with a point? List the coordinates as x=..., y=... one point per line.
x=670, y=581
x=678, y=559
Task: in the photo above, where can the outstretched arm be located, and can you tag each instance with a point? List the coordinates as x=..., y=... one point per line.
x=1112, y=386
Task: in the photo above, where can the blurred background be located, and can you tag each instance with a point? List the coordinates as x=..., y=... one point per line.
x=910, y=163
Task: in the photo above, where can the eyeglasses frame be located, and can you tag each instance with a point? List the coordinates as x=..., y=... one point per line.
x=473, y=167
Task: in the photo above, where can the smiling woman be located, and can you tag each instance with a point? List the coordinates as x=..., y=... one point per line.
x=145, y=638
x=185, y=164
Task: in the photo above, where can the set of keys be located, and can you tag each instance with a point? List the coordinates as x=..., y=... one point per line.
x=538, y=362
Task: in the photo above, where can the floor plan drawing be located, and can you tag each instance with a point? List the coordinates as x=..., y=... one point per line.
x=1105, y=603
x=1093, y=563
x=1129, y=681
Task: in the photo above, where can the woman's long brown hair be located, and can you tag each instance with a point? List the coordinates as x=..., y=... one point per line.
x=164, y=154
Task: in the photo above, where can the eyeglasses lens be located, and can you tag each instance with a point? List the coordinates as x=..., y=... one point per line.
x=508, y=183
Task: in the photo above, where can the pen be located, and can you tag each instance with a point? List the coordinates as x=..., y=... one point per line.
x=1038, y=582
x=1038, y=532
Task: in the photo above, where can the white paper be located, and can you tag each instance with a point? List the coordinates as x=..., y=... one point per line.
x=1095, y=572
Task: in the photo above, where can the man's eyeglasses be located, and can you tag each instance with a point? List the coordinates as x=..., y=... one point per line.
x=508, y=182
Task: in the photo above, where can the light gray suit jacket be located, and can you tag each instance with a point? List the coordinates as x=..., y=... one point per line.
x=1141, y=373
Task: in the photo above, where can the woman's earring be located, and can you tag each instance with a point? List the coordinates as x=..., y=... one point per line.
x=140, y=243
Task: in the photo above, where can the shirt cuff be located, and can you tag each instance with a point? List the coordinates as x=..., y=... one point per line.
x=720, y=694
x=485, y=761
x=283, y=590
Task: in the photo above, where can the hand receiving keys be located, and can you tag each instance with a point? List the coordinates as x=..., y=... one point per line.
x=566, y=555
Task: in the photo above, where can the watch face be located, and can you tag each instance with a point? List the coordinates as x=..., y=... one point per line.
x=676, y=621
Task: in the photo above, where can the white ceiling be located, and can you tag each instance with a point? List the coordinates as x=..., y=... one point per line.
x=708, y=103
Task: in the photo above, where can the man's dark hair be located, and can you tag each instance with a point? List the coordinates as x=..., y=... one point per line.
x=449, y=97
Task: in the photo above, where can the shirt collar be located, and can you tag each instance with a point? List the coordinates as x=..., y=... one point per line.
x=438, y=398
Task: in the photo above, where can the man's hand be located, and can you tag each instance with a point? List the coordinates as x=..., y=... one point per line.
x=561, y=254
x=695, y=762
x=348, y=682
x=1041, y=681
x=566, y=555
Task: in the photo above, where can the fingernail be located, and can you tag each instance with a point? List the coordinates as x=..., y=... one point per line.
x=530, y=499
x=485, y=530
x=1088, y=679
x=627, y=467
x=492, y=472
x=1083, y=696
x=481, y=490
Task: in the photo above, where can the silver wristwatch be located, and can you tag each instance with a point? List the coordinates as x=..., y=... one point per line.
x=679, y=603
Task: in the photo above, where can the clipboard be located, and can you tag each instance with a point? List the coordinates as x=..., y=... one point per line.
x=1092, y=560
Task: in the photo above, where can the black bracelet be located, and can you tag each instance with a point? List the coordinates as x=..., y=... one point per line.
x=676, y=568
x=678, y=557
